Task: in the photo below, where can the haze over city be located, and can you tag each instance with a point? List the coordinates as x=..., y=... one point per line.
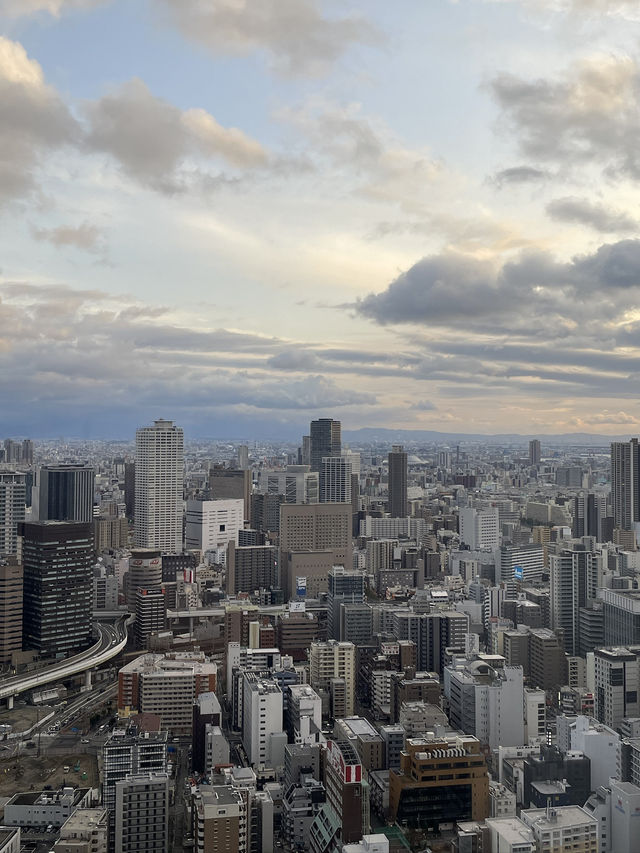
x=242, y=215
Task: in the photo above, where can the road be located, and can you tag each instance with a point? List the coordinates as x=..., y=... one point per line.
x=111, y=641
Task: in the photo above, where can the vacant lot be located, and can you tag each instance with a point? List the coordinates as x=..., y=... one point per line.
x=30, y=773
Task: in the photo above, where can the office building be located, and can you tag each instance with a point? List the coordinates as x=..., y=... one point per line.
x=440, y=780
x=346, y=586
x=335, y=480
x=206, y=713
x=325, y=440
x=110, y=533
x=242, y=457
x=142, y=814
x=573, y=583
x=159, y=479
x=534, y=452
x=65, y=493
x=625, y=483
x=251, y=567
x=11, y=582
x=621, y=617
x=145, y=572
x=85, y=831
x=230, y=484
x=57, y=559
x=295, y=631
x=332, y=668
x=39, y=809
x=220, y=820
x=368, y=742
x=297, y=485
x=213, y=524
x=397, y=505
x=12, y=510
x=522, y=563
x=617, y=684
x=480, y=528
x=166, y=685
x=508, y=834
x=151, y=614
x=130, y=489
x=318, y=536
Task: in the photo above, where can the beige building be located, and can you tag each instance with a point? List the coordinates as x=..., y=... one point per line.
x=85, y=831
x=322, y=527
x=220, y=820
x=332, y=667
x=10, y=608
x=166, y=685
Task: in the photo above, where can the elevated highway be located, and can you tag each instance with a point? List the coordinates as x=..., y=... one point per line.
x=111, y=641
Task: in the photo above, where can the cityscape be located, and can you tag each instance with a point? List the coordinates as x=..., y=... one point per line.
x=319, y=646
x=319, y=426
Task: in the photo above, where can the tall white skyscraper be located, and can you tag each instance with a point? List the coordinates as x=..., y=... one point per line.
x=159, y=487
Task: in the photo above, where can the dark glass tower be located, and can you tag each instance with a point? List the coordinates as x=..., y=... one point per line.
x=325, y=440
x=65, y=493
x=57, y=559
x=398, y=482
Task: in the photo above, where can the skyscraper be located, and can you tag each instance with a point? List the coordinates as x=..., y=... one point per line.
x=534, y=451
x=159, y=487
x=325, y=440
x=10, y=608
x=12, y=510
x=625, y=483
x=335, y=480
x=58, y=587
x=65, y=492
x=397, y=504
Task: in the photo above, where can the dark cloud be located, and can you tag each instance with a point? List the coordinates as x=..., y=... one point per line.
x=589, y=114
x=450, y=289
x=296, y=35
x=597, y=216
x=519, y=175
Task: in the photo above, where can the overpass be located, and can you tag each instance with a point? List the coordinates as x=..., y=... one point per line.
x=111, y=641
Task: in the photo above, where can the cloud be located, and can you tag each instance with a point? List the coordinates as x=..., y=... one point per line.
x=84, y=236
x=20, y=8
x=295, y=34
x=453, y=289
x=588, y=115
x=519, y=175
x=34, y=121
x=423, y=406
x=597, y=216
x=154, y=142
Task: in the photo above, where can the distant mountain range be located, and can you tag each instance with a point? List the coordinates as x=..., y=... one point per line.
x=380, y=435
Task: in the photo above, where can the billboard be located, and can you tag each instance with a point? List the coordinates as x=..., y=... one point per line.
x=518, y=573
x=301, y=587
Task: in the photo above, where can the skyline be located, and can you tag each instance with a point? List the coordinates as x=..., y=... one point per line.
x=246, y=218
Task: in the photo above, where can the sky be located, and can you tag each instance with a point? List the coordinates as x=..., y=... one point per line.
x=244, y=214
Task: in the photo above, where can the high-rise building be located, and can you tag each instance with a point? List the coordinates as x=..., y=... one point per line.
x=617, y=683
x=129, y=752
x=130, y=488
x=27, y=452
x=332, y=670
x=262, y=720
x=142, y=814
x=335, y=480
x=243, y=457
x=151, y=614
x=346, y=586
x=12, y=509
x=325, y=440
x=65, y=493
x=313, y=528
x=251, y=567
x=625, y=483
x=145, y=572
x=573, y=583
x=10, y=608
x=159, y=479
x=397, y=503
x=230, y=484
x=57, y=557
x=534, y=452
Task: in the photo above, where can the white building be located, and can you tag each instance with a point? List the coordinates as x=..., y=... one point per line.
x=617, y=685
x=502, y=801
x=332, y=668
x=262, y=719
x=616, y=807
x=600, y=743
x=519, y=562
x=159, y=487
x=335, y=480
x=213, y=524
x=535, y=715
x=562, y=829
x=10, y=839
x=305, y=713
x=370, y=844
x=297, y=484
x=486, y=699
x=510, y=835
x=480, y=528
